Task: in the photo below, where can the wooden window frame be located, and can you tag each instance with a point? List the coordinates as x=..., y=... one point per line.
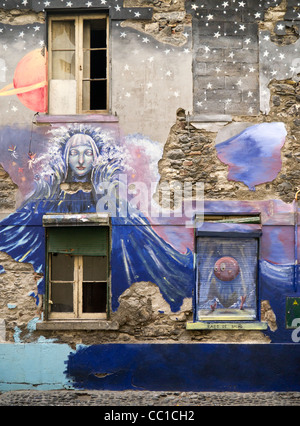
x=87, y=242
x=77, y=282
x=79, y=53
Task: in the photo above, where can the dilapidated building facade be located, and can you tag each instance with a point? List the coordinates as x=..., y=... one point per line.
x=149, y=156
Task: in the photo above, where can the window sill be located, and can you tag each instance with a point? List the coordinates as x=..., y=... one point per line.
x=77, y=325
x=227, y=325
x=76, y=118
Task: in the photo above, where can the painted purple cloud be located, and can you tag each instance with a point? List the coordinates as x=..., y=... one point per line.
x=254, y=155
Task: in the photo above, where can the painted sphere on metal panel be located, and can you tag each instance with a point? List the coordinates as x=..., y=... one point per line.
x=226, y=268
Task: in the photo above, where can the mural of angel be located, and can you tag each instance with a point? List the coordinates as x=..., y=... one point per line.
x=92, y=155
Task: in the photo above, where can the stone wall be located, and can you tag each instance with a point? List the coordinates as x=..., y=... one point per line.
x=190, y=155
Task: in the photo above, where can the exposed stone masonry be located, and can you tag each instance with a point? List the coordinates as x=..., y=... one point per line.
x=190, y=155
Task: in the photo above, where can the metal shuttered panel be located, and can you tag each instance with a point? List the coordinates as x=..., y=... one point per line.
x=85, y=240
x=227, y=271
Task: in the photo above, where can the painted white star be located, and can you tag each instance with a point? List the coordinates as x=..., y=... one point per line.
x=117, y=8
x=242, y=27
x=209, y=86
x=137, y=14
x=123, y=35
x=225, y=4
x=69, y=4
x=194, y=6
x=217, y=34
x=210, y=17
x=145, y=40
x=242, y=4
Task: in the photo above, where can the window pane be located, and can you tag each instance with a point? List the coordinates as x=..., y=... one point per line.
x=94, y=95
x=63, y=65
x=63, y=35
x=94, y=268
x=94, y=297
x=62, y=297
x=94, y=64
x=94, y=33
x=62, y=267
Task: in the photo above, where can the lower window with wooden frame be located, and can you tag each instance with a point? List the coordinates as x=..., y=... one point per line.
x=78, y=270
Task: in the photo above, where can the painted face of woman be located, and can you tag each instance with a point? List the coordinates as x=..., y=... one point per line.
x=81, y=157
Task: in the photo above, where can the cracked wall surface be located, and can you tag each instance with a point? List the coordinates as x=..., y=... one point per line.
x=186, y=77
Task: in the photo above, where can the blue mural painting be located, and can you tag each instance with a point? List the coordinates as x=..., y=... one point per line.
x=253, y=156
x=93, y=155
x=141, y=249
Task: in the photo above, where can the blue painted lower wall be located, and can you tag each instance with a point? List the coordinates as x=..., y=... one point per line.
x=187, y=367
x=184, y=367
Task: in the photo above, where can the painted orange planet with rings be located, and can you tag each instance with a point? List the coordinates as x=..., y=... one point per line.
x=30, y=81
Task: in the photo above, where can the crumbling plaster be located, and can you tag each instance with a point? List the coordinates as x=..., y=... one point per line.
x=189, y=154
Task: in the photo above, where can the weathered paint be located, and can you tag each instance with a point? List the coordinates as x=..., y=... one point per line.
x=186, y=367
x=253, y=156
x=149, y=86
x=39, y=366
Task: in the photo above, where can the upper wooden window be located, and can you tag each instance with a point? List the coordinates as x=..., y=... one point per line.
x=78, y=64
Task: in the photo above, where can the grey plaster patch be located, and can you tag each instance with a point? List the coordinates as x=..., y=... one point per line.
x=276, y=62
